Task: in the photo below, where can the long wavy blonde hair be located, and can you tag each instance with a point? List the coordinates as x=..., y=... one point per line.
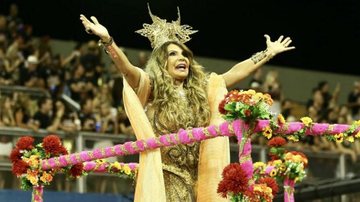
x=171, y=112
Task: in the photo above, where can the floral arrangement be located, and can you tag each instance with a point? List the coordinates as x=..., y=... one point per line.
x=284, y=165
x=246, y=105
x=238, y=182
x=26, y=159
x=235, y=186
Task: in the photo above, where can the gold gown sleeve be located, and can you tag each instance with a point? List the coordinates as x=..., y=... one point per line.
x=214, y=153
x=150, y=181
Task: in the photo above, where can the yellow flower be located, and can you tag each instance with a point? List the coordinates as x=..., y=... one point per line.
x=357, y=134
x=34, y=161
x=259, y=165
x=273, y=172
x=117, y=165
x=127, y=169
x=281, y=119
x=357, y=122
x=339, y=137
x=307, y=121
x=32, y=177
x=350, y=139
x=250, y=92
x=276, y=162
x=267, y=132
x=282, y=167
x=100, y=161
x=46, y=177
x=292, y=138
x=257, y=97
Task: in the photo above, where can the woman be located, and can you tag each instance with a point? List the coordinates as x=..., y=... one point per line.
x=176, y=93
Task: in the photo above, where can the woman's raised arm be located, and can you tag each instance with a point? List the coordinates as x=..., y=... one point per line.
x=129, y=71
x=241, y=70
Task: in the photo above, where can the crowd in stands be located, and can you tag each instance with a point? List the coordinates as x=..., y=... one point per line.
x=29, y=61
x=82, y=76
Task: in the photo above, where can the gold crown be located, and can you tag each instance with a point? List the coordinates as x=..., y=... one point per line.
x=161, y=31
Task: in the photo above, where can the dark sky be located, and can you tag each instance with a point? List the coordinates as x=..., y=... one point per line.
x=326, y=33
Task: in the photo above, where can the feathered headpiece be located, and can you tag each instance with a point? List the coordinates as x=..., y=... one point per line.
x=161, y=31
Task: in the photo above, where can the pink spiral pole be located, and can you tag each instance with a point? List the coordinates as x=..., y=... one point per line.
x=316, y=129
x=134, y=147
x=243, y=134
x=37, y=193
x=289, y=190
x=184, y=137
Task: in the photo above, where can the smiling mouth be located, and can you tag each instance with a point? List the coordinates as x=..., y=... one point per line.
x=181, y=67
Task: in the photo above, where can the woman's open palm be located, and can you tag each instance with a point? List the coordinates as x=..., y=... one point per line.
x=278, y=46
x=94, y=27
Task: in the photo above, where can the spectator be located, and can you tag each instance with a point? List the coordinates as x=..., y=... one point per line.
x=44, y=118
x=86, y=115
x=22, y=113
x=7, y=112
x=108, y=117
x=80, y=87
x=353, y=100
x=29, y=74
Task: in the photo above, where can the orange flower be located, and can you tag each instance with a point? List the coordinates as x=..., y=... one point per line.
x=32, y=177
x=46, y=177
x=34, y=161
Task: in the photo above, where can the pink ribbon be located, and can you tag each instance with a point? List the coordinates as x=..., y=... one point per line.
x=37, y=193
x=289, y=190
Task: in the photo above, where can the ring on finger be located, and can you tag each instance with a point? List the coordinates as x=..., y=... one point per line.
x=88, y=30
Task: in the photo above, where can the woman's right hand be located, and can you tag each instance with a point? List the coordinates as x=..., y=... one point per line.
x=94, y=27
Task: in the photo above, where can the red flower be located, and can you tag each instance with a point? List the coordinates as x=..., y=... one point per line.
x=247, y=112
x=76, y=170
x=273, y=157
x=63, y=151
x=234, y=180
x=222, y=106
x=52, y=144
x=19, y=167
x=270, y=182
x=25, y=142
x=276, y=142
x=15, y=155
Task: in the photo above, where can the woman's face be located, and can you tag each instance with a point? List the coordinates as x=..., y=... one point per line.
x=177, y=63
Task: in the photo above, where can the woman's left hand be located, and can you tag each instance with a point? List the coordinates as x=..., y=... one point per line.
x=278, y=46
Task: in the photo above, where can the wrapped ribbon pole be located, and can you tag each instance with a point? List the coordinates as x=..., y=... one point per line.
x=187, y=137
x=37, y=193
